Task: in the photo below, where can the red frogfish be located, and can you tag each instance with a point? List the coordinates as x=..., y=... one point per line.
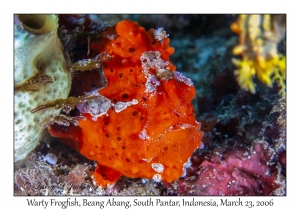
x=142, y=125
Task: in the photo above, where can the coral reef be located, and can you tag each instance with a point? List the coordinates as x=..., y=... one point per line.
x=143, y=89
x=243, y=149
x=71, y=175
x=259, y=36
x=233, y=170
x=40, y=76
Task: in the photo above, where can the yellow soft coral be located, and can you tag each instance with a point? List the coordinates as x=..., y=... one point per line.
x=258, y=39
